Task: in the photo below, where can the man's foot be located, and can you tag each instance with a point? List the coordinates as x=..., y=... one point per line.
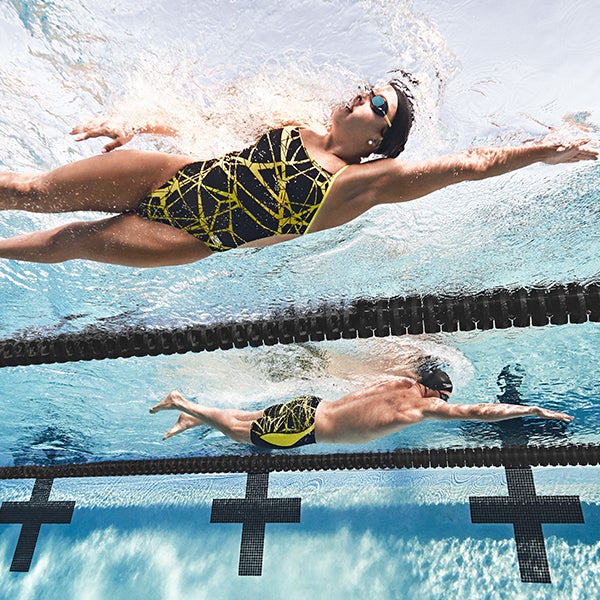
x=169, y=403
x=184, y=422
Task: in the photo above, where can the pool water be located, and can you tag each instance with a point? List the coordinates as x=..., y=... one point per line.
x=490, y=74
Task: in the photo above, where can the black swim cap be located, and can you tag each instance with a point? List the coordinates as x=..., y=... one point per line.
x=396, y=136
x=436, y=379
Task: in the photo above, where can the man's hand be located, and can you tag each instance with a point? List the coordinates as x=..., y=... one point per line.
x=551, y=414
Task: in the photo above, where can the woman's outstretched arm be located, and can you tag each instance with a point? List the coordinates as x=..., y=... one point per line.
x=385, y=181
x=361, y=187
x=119, y=131
x=407, y=181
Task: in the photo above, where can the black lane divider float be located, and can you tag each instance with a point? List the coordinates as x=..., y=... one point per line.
x=494, y=309
x=510, y=457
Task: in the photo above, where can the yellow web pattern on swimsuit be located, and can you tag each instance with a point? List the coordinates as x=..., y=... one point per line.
x=271, y=188
x=286, y=425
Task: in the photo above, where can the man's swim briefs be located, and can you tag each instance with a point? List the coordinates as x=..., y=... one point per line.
x=286, y=425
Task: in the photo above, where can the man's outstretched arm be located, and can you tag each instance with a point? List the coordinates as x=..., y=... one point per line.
x=490, y=412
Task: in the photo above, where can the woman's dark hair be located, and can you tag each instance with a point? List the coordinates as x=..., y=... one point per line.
x=395, y=138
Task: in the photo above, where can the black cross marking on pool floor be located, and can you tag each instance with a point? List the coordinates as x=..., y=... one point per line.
x=32, y=514
x=254, y=511
x=527, y=511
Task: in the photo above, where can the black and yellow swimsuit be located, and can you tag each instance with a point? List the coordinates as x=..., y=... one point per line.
x=286, y=425
x=270, y=188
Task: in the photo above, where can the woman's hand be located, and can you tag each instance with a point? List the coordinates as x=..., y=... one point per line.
x=103, y=126
x=571, y=152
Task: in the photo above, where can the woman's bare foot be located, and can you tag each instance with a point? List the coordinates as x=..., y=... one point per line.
x=184, y=422
x=169, y=403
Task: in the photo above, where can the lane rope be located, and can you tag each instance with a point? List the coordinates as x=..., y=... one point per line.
x=517, y=457
x=362, y=318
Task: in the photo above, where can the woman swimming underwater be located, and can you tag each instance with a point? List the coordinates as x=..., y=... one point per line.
x=292, y=181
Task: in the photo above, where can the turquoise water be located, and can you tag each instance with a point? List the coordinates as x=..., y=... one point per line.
x=489, y=74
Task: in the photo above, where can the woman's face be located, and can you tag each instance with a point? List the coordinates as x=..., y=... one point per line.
x=357, y=124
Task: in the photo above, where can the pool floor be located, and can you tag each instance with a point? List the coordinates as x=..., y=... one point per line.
x=396, y=533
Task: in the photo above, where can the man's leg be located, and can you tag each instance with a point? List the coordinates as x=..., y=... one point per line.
x=233, y=423
x=183, y=423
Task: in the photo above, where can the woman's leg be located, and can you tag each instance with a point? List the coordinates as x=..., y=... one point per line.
x=233, y=423
x=111, y=182
x=128, y=240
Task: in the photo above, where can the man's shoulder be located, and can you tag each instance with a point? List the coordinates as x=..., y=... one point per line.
x=436, y=408
x=400, y=387
x=403, y=381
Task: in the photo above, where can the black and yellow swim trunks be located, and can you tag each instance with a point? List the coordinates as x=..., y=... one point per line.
x=286, y=425
x=273, y=187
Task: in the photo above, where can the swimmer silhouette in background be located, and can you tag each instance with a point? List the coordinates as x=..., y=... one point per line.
x=514, y=433
x=292, y=181
x=356, y=418
x=509, y=381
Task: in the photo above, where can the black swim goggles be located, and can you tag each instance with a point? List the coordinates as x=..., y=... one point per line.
x=379, y=105
x=443, y=396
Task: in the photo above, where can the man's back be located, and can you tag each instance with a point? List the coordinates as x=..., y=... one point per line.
x=373, y=412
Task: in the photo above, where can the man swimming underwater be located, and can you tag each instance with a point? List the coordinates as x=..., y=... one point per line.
x=358, y=417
